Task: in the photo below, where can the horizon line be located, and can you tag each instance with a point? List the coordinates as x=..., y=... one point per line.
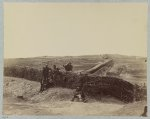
x=69, y=56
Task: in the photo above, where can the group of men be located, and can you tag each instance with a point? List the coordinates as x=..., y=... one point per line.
x=50, y=75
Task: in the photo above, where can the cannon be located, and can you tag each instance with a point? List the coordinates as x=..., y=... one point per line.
x=95, y=82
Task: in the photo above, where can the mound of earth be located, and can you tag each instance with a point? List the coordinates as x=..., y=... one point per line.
x=20, y=87
x=22, y=97
x=53, y=94
x=29, y=90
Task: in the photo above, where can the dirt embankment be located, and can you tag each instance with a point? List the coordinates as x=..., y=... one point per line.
x=22, y=97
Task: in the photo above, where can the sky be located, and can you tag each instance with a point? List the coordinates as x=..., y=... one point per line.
x=70, y=29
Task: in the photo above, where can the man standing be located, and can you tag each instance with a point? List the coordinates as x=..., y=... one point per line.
x=144, y=114
x=45, y=79
x=46, y=73
x=54, y=72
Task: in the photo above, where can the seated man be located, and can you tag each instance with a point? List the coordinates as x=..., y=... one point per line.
x=68, y=67
x=79, y=95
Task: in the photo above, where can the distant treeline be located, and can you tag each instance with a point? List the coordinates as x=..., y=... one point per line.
x=23, y=72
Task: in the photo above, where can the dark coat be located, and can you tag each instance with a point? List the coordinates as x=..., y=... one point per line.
x=46, y=71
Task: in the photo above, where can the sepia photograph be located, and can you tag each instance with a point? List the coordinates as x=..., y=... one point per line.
x=75, y=59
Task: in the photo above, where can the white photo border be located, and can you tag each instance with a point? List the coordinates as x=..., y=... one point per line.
x=71, y=1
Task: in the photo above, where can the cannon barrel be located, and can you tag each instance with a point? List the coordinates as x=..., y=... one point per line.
x=108, y=63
